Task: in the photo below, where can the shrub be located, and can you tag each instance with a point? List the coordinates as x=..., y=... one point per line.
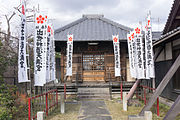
x=7, y=100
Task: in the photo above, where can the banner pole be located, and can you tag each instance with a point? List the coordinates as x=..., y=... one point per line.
x=28, y=68
x=153, y=84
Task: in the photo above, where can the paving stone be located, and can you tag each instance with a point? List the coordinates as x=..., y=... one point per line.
x=94, y=110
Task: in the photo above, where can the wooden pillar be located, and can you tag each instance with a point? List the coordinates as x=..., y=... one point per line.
x=174, y=110
x=162, y=85
x=133, y=89
x=123, y=61
x=82, y=67
x=159, y=50
x=62, y=67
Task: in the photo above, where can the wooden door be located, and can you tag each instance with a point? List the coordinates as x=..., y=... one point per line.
x=109, y=65
x=77, y=68
x=93, y=67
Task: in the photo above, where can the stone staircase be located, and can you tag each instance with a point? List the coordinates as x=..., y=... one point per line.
x=95, y=93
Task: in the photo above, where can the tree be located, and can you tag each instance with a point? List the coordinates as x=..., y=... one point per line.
x=8, y=50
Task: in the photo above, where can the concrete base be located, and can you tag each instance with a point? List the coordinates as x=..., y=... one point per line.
x=135, y=117
x=147, y=116
x=40, y=115
x=125, y=101
x=62, y=104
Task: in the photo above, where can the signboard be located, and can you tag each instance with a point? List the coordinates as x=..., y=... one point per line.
x=40, y=49
x=139, y=54
x=116, y=55
x=69, y=55
x=22, y=61
x=149, y=50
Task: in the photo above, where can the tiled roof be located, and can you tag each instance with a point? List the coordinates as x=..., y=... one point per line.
x=92, y=28
x=170, y=21
x=165, y=36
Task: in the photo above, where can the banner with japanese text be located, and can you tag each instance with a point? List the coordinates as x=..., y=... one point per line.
x=22, y=61
x=52, y=54
x=132, y=53
x=69, y=55
x=149, y=50
x=48, y=62
x=40, y=49
x=139, y=54
x=116, y=55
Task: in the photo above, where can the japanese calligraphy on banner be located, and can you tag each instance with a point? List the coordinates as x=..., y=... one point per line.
x=40, y=49
x=149, y=50
x=69, y=55
x=139, y=54
x=48, y=53
x=116, y=55
x=132, y=53
x=22, y=63
x=52, y=54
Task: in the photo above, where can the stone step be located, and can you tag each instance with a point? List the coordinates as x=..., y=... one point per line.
x=93, y=90
x=94, y=97
x=93, y=93
x=118, y=89
x=67, y=90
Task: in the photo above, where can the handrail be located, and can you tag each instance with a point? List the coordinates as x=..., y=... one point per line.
x=47, y=100
x=144, y=97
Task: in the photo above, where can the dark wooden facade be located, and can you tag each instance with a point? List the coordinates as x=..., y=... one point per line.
x=93, y=62
x=168, y=49
x=169, y=53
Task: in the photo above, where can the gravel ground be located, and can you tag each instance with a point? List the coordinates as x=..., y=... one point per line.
x=71, y=113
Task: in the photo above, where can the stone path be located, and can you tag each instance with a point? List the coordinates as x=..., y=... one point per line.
x=94, y=110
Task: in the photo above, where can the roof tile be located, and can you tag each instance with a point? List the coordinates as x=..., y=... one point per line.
x=92, y=28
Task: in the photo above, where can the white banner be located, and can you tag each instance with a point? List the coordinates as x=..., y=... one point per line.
x=22, y=62
x=139, y=54
x=48, y=62
x=116, y=55
x=53, y=62
x=134, y=60
x=69, y=55
x=131, y=51
x=149, y=50
x=40, y=49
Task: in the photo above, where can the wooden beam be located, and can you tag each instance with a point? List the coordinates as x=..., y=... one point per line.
x=157, y=53
x=162, y=85
x=174, y=110
x=177, y=17
x=133, y=89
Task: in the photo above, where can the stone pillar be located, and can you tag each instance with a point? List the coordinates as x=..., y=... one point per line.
x=62, y=104
x=40, y=115
x=125, y=101
x=148, y=115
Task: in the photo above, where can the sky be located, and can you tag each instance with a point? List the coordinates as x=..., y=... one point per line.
x=62, y=12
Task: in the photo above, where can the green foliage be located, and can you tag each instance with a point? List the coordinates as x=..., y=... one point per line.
x=7, y=100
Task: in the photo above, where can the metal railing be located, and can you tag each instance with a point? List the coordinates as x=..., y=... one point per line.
x=143, y=96
x=43, y=102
